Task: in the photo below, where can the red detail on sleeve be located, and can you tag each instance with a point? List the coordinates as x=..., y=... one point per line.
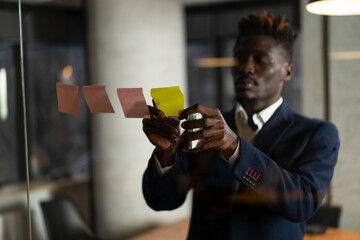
x=254, y=174
x=258, y=176
x=251, y=171
x=248, y=170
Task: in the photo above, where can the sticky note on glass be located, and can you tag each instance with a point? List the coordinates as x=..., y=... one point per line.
x=133, y=102
x=170, y=100
x=68, y=98
x=97, y=99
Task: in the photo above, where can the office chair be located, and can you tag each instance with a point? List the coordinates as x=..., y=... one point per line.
x=325, y=217
x=64, y=222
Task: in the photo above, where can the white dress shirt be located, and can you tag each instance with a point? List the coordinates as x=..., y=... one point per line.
x=243, y=130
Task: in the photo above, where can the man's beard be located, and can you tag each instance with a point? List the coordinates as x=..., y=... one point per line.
x=245, y=101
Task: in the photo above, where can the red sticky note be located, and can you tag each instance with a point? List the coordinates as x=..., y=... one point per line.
x=68, y=98
x=97, y=99
x=133, y=102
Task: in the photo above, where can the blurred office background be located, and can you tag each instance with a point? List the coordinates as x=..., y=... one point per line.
x=97, y=160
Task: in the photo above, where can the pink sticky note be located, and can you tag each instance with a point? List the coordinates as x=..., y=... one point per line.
x=97, y=99
x=68, y=98
x=133, y=102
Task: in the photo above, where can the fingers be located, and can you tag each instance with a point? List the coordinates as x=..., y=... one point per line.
x=158, y=114
x=155, y=112
x=203, y=135
x=158, y=129
x=172, y=121
x=198, y=108
x=159, y=141
x=199, y=123
x=223, y=139
x=161, y=134
x=213, y=132
x=205, y=144
x=162, y=128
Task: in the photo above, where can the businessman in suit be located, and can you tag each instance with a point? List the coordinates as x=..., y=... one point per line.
x=259, y=171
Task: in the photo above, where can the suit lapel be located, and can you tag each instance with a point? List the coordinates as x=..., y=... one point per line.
x=272, y=131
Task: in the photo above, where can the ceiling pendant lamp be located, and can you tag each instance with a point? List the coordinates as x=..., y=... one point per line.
x=334, y=7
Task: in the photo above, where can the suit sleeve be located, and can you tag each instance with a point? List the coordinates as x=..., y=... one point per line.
x=295, y=193
x=166, y=192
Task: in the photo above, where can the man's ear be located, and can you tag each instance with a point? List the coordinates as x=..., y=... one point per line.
x=289, y=72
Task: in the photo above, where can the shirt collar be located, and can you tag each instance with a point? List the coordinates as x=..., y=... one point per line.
x=261, y=117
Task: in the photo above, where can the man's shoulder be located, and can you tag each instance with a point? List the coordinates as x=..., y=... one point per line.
x=312, y=123
x=286, y=113
x=303, y=127
x=300, y=122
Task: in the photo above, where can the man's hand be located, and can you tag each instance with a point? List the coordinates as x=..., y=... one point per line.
x=214, y=133
x=163, y=132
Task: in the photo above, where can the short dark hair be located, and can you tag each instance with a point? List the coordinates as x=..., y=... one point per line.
x=267, y=24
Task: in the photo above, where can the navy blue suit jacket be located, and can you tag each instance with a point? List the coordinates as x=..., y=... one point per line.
x=268, y=194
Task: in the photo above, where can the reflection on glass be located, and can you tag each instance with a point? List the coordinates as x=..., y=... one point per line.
x=54, y=52
x=3, y=95
x=202, y=81
x=216, y=62
x=67, y=72
x=58, y=142
x=9, y=151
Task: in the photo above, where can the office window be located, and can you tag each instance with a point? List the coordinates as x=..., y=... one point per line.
x=54, y=51
x=8, y=117
x=58, y=142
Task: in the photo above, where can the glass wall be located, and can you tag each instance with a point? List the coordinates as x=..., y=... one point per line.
x=59, y=144
x=98, y=160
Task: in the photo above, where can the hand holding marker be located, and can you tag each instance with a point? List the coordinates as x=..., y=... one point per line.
x=194, y=116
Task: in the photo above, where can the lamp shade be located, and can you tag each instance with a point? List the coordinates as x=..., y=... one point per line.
x=334, y=7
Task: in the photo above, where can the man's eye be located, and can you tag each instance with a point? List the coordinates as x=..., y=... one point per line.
x=261, y=59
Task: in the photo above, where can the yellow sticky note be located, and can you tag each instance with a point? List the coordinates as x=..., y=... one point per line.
x=170, y=100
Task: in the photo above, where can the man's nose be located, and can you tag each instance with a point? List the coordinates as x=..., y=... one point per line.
x=248, y=66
